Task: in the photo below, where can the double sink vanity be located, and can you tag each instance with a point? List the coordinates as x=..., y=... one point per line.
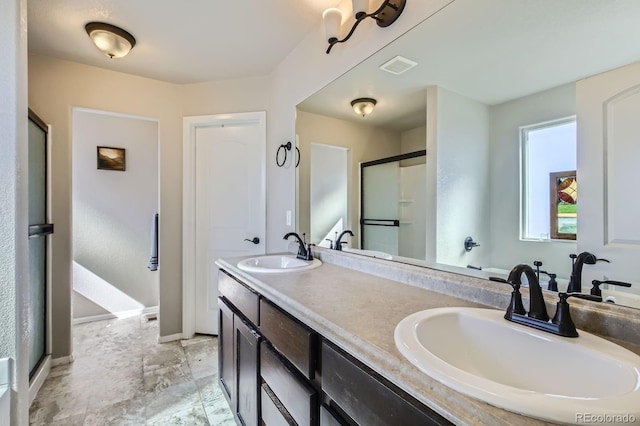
x=345, y=339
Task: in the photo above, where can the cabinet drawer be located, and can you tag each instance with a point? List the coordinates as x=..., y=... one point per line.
x=297, y=397
x=240, y=296
x=273, y=412
x=293, y=340
x=327, y=418
x=366, y=399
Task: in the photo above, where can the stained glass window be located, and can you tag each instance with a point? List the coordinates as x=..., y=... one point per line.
x=564, y=205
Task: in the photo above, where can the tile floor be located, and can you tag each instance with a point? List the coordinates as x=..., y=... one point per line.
x=122, y=376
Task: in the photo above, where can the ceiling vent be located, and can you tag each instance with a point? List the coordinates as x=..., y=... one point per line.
x=398, y=65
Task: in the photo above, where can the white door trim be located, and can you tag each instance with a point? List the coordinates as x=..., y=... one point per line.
x=190, y=124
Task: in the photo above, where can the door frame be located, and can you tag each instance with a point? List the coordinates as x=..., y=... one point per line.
x=190, y=125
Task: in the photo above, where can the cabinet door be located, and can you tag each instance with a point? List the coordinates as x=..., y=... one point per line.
x=225, y=353
x=366, y=399
x=247, y=343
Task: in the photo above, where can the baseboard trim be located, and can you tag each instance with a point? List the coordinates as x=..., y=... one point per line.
x=114, y=315
x=169, y=338
x=38, y=380
x=61, y=361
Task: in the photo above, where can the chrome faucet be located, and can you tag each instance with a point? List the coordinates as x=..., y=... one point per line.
x=584, y=258
x=338, y=243
x=304, y=250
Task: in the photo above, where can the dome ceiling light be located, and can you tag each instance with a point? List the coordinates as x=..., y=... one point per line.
x=363, y=106
x=111, y=40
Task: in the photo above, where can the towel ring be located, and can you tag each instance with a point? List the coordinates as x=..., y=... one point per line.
x=285, y=147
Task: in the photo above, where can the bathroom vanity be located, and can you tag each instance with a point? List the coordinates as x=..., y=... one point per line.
x=317, y=347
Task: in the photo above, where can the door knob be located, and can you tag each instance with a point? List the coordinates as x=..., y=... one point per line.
x=255, y=240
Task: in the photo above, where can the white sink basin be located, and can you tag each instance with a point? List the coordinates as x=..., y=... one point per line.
x=480, y=354
x=277, y=263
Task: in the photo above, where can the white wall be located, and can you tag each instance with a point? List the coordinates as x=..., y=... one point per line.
x=460, y=140
x=112, y=213
x=507, y=248
x=14, y=301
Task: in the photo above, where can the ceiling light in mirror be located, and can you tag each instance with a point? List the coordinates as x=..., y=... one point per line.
x=363, y=106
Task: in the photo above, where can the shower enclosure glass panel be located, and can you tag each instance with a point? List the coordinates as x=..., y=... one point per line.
x=38, y=231
x=392, y=205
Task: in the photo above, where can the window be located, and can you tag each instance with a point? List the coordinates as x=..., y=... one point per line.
x=549, y=185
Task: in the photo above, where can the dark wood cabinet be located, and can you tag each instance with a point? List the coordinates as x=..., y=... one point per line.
x=226, y=358
x=276, y=371
x=273, y=412
x=367, y=399
x=295, y=341
x=239, y=349
x=247, y=348
x=295, y=394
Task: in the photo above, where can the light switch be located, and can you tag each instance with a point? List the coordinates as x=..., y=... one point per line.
x=288, y=217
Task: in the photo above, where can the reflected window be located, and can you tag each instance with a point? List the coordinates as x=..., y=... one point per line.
x=549, y=185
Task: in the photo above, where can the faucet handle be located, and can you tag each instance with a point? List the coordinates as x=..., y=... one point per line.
x=309, y=256
x=595, y=290
x=515, y=305
x=330, y=242
x=562, y=318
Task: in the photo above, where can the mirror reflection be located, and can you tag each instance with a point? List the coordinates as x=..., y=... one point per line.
x=488, y=90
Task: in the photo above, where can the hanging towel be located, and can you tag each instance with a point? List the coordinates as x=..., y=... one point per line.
x=153, y=261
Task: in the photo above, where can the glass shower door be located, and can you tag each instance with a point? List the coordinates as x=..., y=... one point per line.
x=38, y=231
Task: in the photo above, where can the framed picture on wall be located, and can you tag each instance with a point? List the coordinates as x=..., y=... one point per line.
x=111, y=158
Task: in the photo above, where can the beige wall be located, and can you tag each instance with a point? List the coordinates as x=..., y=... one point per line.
x=365, y=143
x=56, y=86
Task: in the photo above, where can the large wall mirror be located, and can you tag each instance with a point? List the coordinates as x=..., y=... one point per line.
x=488, y=89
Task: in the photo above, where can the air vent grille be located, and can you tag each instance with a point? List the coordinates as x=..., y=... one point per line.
x=398, y=65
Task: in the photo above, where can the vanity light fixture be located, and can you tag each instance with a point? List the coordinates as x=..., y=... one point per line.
x=384, y=15
x=363, y=106
x=111, y=40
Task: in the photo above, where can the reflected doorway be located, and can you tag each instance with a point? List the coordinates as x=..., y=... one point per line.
x=329, y=192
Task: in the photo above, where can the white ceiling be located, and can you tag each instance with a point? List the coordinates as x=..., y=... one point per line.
x=491, y=51
x=178, y=41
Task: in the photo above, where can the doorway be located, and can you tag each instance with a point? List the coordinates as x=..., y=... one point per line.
x=224, y=206
x=329, y=192
x=115, y=200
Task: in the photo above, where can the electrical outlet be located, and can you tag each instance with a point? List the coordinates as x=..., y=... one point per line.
x=288, y=217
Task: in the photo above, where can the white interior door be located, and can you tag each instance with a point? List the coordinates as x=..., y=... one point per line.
x=608, y=153
x=227, y=205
